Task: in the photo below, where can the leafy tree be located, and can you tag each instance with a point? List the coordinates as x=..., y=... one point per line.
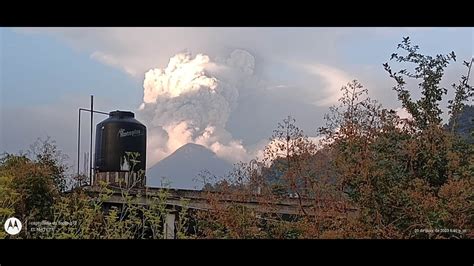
x=46, y=153
x=31, y=182
x=8, y=199
x=429, y=70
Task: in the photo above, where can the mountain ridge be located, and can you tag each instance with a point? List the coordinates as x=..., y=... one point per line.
x=184, y=165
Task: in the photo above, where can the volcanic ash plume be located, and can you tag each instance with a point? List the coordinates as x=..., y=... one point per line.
x=190, y=101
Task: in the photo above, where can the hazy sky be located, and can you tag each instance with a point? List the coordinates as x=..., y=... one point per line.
x=261, y=75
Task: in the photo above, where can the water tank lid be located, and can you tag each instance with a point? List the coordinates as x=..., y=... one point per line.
x=121, y=114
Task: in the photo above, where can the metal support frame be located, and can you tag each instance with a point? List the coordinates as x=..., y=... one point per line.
x=92, y=111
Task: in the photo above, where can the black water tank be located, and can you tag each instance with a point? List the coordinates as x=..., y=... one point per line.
x=120, y=143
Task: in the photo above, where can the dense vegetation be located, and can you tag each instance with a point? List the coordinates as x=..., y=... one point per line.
x=372, y=175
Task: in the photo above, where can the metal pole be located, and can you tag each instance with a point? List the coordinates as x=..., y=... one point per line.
x=78, y=143
x=92, y=128
x=79, y=139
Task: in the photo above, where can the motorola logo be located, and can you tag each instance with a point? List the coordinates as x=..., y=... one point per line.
x=13, y=226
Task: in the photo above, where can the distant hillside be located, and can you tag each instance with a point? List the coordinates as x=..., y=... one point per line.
x=465, y=123
x=184, y=165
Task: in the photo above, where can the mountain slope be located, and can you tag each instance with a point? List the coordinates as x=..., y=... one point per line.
x=183, y=166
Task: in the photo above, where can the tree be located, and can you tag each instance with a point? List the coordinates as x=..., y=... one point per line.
x=290, y=154
x=398, y=172
x=31, y=181
x=46, y=153
x=429, y=70
x=8, y=199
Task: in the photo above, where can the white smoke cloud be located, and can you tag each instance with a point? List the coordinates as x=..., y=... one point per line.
x=190, y=101
x=334, y=79
x=112, y=61
x=403, y=113
x=182, y=75
x=232, y=151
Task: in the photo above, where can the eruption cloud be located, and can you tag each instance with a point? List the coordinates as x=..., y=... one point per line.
x=190, y=101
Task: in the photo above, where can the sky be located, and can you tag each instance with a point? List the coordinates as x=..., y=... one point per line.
x=223, y=88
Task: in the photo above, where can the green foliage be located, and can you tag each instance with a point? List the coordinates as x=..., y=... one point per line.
x=8, y=199
x=46, y=153
x=32, y=183
x=429, y=70
x=31, y=189
x=397, y=171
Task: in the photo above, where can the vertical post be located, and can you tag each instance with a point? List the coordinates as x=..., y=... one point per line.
x=78, y=143
x=90, y=150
